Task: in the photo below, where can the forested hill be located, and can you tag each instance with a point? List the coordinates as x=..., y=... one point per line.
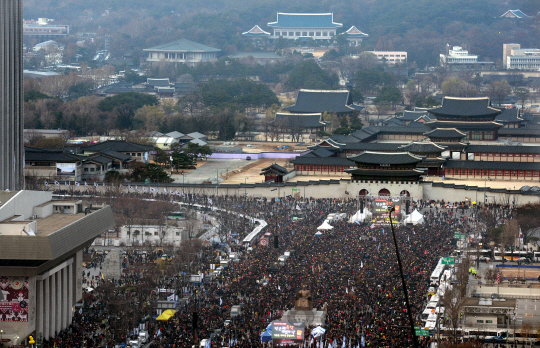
x=422, y=27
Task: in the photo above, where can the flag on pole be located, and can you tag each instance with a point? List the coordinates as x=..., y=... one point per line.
x=95, y=184
x=130, y=187
x=77, y=183
x=498, y=278
x=220, y=301
x=165, y=190
x=46, y=183
x=298, y=207
x=57, y=183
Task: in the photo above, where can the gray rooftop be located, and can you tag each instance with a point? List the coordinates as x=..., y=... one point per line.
x=183, y=45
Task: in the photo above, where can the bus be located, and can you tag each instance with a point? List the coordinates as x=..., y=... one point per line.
x=512, y=256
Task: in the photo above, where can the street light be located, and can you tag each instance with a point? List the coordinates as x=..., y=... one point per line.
x=415, y=340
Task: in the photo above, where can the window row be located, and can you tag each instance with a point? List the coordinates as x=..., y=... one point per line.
x=316, y=168
x=303, y=33
x=483, y=172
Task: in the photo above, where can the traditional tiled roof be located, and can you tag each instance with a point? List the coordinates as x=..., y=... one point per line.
x=300, y=120
x=329, y=161
x=274, y=168
x=386, y=173
x=412, y=115
x=478, y=126
x=345, y=139
x=376, y=147
x=445, y=133
x=515, y=14
x=492, y=165
x=32, y=154
x=305, y=20
x=502, y=149
x=158, y=82
x=509, y=115
x=256, y=31
x=196, y=135
x=452, y=106
x=519, y=132
x=321, y=152
x=331, y=101
x=422, y=147
x=355, y=32
x=370, y=157
x=116, y=155
x=98, y=159
x=118, y=146
x=182, y=45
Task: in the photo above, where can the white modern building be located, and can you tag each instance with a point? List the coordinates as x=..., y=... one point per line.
x=391, y=57
x=457, y=55
x=519, y=58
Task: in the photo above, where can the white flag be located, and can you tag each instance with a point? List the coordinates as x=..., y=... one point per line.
x=298, y=207
x=220, y=301
x=85, y=183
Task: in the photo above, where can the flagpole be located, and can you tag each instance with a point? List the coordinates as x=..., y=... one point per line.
x=414, y=338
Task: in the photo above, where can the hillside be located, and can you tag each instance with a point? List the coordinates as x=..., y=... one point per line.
x=422, y=27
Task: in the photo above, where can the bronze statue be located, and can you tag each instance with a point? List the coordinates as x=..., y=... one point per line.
x=304, y=300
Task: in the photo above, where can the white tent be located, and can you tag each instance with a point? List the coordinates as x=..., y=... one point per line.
x=414, y=218
x=318, y=234
x=361, y=216
x=325, y=226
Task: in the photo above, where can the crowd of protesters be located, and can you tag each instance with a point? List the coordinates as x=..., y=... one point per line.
x=351, y=270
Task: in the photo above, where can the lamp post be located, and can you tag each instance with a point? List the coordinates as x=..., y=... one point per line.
x=415, y=340
x=183, y=182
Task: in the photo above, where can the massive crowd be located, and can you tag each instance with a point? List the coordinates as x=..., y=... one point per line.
x=352, y=269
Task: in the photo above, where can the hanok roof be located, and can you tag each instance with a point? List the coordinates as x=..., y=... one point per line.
x=198, y=142
x=375, y=147
x=98, y=159
x=331, y=101
x=116, y=155
x=509, y=115
x=412, y=115
x=274, y=169
x=183, y=45
x=503, y=149
x=327, y=143
x=422, y=147
x=256, y=31
x=492, y=165
x=445, y=133
x=328, y=161
x=386, y=158
x=305, y=20
x=354, y=32
x=452, y=106
x=514, y=14
x=524, y=131
x=386, y=173
x=118, y=146
x=158, y=82
x=32, y=154
x=464, y=125
x=300, y=120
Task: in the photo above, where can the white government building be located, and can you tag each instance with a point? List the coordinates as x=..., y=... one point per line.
x=457, y=55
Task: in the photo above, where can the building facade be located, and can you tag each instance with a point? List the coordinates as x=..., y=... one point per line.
x=391, y=57
x=457, y=55
x=517, y=58
x=41, y=243
x=11, y=95
x=292, y=26
x=182, y=51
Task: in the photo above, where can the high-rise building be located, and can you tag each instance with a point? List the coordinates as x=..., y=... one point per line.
x=11, y=95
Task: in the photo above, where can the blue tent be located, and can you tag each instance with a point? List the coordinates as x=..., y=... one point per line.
x=266, y=336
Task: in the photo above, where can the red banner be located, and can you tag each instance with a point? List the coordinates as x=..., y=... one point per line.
x=14, y=299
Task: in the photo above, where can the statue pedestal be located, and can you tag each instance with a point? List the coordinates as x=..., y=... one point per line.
x=313, y=317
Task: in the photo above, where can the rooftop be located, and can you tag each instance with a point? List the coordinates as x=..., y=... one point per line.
x=452, y=106
x=386, y=158
x=256, y=31
x=332, y=101
x=305, y=20
x=183, y=45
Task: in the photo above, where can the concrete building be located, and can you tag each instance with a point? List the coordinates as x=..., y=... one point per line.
x=391, y=57
x=517, y=58
x=44, y=27
x=41, y=242
x=11, y=95
x=457, y=55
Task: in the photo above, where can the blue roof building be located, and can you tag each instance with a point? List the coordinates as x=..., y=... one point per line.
x=318, y=26
x=256, y=32
x=354, y=36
